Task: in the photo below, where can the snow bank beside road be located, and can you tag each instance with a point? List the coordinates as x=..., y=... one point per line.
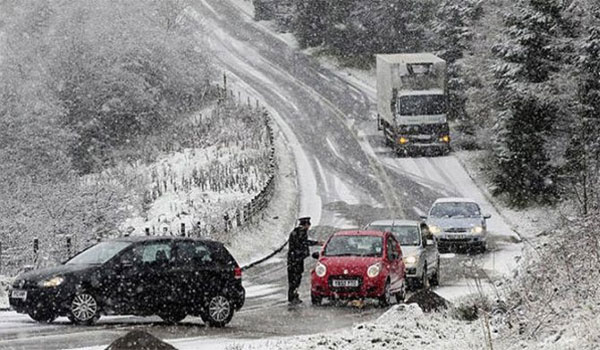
x=401, y=327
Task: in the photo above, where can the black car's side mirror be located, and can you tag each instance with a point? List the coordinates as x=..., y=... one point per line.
x=315, y=255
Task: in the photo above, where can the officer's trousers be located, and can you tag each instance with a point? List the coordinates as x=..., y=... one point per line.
x=295, y=270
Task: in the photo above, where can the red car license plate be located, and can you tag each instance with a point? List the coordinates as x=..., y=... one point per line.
x=344, y=283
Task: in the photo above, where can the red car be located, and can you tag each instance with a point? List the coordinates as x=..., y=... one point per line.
x=359, y=265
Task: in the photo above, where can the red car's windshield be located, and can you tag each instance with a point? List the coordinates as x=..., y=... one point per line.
x=354, y=246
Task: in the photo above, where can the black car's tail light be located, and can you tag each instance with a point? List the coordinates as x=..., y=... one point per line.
x=237, y=273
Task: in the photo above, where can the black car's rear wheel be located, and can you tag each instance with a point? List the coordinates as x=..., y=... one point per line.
x=173, y=316
x=218, y=311
x=84, y=309
x=43, y=316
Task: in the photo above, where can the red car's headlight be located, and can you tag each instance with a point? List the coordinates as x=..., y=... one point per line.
x=320, y=269
x=374, y=270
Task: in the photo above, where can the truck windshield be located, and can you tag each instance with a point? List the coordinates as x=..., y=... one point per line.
x=421, y=105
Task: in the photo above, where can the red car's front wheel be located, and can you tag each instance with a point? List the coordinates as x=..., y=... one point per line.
x=316, y=299
x=386, y=298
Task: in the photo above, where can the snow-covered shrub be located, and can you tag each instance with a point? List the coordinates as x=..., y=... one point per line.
x=557, y=288
x=468, y=308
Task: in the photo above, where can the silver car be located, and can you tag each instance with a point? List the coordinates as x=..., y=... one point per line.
x=458, y=223
x=419, y=250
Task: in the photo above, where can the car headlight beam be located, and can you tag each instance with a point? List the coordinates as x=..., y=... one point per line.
x=476, y=229
x=411, y=260
x=321, y=269
x=52, y=282
x=374, y=270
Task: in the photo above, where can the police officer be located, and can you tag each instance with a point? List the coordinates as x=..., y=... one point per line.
x=297, y=252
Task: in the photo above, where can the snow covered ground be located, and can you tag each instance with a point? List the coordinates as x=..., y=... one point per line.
x=401, y=327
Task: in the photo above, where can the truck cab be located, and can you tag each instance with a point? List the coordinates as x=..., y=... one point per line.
x=412, y=102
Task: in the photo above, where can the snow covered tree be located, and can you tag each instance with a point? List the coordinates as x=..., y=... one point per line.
x=453, y=29
x=309, y=24
x=395, y=26
x=523, y=168
x=583, y=153
x=531, y=51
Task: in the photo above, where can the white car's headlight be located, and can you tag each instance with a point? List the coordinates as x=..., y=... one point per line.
x=434, y=229
x=476, y=229
x=52, y=282
x=374, y=270
x=321, y=269
x=410, y=260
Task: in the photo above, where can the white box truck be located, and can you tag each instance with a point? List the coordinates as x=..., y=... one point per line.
x=412, y=102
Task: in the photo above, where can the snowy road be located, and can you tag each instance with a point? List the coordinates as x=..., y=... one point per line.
x=347, y=178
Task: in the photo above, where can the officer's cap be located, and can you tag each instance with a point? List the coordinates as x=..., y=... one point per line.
x=304, y=220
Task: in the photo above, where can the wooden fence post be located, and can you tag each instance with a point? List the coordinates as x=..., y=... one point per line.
x=68, y=247
x=36, y=248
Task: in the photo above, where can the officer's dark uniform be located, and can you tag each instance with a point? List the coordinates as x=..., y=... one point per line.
x=297, y=252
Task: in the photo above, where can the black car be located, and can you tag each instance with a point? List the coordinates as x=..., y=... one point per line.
x=171, y=277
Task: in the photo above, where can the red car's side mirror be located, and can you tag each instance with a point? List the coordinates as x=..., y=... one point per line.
x=315, y=255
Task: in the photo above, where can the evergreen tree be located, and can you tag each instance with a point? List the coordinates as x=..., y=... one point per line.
x=395, y=26
x=523, y=168
x=530, y=52
x=454, y=33
x=309, y=24
x=583, y=154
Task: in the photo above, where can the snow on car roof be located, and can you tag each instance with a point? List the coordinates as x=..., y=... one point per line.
x=454, y=200
x=359, y=233
x=394, y=222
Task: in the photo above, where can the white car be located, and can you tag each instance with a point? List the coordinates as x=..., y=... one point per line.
x=458, y=223
x=420, y=253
